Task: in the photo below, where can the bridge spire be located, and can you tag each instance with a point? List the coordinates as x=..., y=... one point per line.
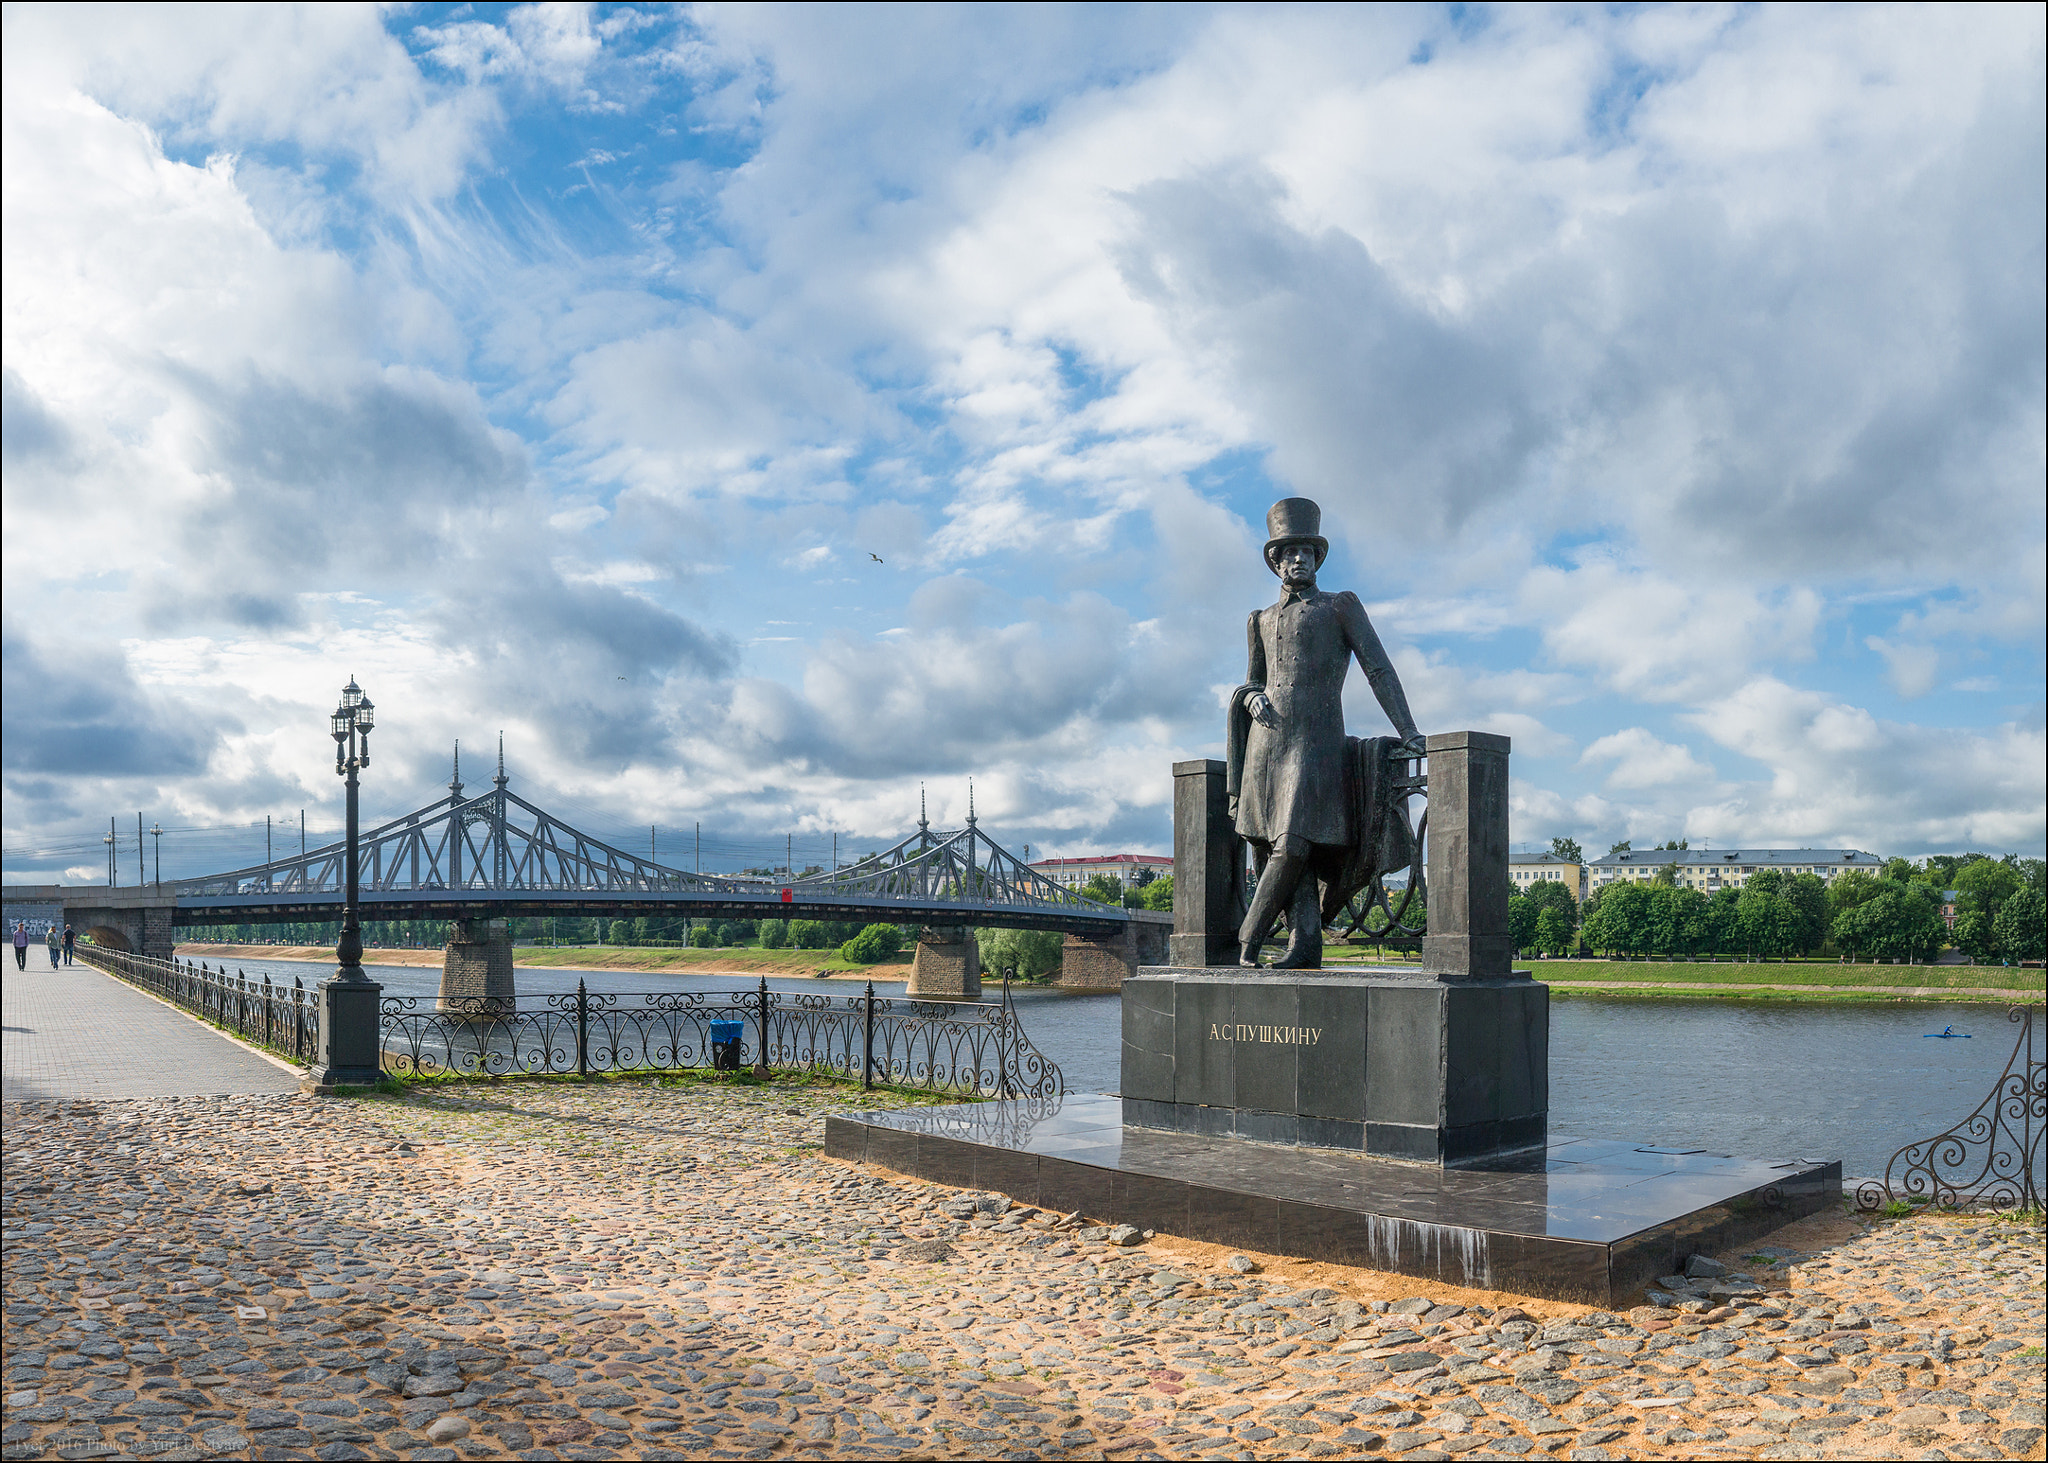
x=455, y=782
x=970, y=802
x=501, y=779
x=923, y=823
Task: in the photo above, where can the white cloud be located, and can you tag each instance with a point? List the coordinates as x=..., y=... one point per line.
x=1641, y=761
x=1913, y=669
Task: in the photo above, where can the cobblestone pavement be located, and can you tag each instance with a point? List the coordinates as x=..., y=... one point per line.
x=673, y=1270
x=78, y=1033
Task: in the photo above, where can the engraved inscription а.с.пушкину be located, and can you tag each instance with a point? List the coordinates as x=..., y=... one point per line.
x=1285, y=1035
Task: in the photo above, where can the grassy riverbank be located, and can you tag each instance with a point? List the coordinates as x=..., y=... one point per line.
x=1771, y=981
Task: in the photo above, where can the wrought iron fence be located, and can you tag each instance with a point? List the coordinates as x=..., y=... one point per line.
x=969, y=1050
x=1993, y=1156
x=284, y=1018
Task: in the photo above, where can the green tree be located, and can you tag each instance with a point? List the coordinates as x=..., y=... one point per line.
x=1567, y=849
x=1615, y=848
x=619, y=932
x=1667, y=876
x=1901, y=922
x=809, y=934
x=1522, y=918
x=704, y=937
x=872, y=945
x=1032, y=954
x=1807, y=897
x=2021, y=925
x=1898, y=869
x=1975, y=935
x=1620, y=922
x=1157, y=895
x=1552, y=894
x=1105, y=888
x=1763, y=922
x=1553, y=932
x=1687, y=921
x=1851, y=889
x=1984, y=885
x=774, y=934
x=1721, y=919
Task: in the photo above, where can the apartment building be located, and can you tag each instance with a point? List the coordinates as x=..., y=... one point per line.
x=1712, y=870
x=1525, y=873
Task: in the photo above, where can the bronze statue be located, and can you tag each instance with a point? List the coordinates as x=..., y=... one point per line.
x=1311, y=801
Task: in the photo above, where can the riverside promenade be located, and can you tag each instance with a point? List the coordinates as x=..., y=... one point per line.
x=669, y=1269
x=74, y=1032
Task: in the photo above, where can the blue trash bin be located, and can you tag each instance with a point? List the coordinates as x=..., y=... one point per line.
x=725, y=1045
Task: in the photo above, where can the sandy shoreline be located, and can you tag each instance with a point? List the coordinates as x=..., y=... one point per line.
x=779, y=964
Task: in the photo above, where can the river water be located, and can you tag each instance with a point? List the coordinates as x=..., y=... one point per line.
x=1753, y=1079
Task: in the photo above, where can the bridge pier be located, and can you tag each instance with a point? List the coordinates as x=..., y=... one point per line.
x=137, y=921
x=947, y=965
x=476, y=970
x=1105, y=962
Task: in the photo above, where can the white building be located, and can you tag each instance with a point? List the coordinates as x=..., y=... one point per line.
x=1525, y=873
x=1712, y=870
x=1135, y=870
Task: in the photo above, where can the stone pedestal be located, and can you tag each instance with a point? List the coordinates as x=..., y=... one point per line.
x=1208, y=868
x=350, y=1052
x=1468, y=857
x=1384, y=1063
x=476, y=971
x=947, y=965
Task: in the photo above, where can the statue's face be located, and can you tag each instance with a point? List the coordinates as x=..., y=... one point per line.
x=1298, y=565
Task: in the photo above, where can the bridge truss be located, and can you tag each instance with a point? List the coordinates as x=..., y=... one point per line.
x=500, y=854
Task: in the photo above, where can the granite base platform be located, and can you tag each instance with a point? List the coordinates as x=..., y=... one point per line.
x=1576, y=1219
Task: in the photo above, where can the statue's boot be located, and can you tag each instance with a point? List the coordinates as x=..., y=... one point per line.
x=1277, y=884
x=1304, y=930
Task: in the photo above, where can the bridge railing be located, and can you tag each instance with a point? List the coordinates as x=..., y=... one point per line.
x=286, y=1019
x=936, y=1046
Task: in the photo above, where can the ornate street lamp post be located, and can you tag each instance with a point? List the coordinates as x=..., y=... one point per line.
x=350, y=1043
x=351, y=724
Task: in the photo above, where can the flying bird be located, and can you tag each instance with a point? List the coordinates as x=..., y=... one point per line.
x=875, y=556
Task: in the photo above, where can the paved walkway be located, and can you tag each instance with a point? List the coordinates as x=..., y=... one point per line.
x=673, y=1270
x=76, y=1033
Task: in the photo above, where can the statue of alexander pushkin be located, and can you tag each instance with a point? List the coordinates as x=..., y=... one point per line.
x=1315, y=805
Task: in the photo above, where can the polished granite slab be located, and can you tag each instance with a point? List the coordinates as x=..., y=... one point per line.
x=1576, y=1219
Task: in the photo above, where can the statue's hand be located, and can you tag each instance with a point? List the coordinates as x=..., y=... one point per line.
x=1262, y=710
x=1415, y=743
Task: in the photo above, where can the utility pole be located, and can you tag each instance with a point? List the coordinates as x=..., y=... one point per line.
x=141, y=869
x=788, y=849
x=267, y=854
x=113, y=869
x=302, y=833
x=700, y=848
x=650, y=845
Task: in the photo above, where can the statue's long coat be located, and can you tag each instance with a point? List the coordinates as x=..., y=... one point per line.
x=1305, y=777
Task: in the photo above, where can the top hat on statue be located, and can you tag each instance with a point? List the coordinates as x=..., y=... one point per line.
x=1294, y=521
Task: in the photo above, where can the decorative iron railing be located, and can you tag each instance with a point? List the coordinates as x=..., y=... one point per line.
x=284, y=1018
x=968, y=1050
x=1992, y=1157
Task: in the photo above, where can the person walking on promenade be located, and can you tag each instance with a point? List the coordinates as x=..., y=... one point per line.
x=20, y=945
x=52, y=944
x=70, y=943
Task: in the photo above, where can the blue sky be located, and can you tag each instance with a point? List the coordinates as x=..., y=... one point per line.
x=1671, y=380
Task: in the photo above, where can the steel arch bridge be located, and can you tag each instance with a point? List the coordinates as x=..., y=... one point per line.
x=499, y=855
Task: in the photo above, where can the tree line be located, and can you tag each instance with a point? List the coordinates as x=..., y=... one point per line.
x=1893, y=914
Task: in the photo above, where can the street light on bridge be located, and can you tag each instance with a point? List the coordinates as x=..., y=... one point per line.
x=351, y=1045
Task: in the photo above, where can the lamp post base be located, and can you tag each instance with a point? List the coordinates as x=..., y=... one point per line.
x=350, y=1051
